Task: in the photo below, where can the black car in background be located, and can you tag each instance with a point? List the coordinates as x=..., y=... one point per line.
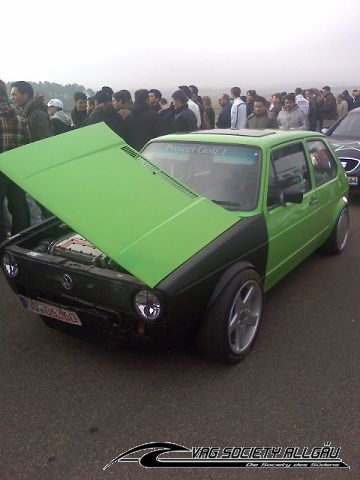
x=345, y=138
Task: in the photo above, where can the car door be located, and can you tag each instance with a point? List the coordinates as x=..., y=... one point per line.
x=292, y=227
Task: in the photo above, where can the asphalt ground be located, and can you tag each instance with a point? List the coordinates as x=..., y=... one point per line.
x=69, y=406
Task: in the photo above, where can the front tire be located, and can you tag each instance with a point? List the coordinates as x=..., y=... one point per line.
x=230, y=328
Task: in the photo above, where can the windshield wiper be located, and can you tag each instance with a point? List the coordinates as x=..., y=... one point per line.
x=230, y=204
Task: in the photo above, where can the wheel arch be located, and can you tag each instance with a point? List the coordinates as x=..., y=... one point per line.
x=226, y=278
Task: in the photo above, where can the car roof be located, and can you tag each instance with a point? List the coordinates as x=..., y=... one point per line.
x=356, y=111
x=259, y=138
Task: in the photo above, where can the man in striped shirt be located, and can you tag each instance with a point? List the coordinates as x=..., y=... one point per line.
x=13, y=133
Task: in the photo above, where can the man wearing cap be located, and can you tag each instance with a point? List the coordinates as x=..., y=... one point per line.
x=61, y=123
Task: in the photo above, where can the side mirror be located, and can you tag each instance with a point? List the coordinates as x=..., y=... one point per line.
x=292, y=197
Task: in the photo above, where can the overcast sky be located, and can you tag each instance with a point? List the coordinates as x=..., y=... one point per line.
x=160, y=43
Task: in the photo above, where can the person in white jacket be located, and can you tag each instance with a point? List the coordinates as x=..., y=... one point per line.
x=238, y=110
x=302, y=102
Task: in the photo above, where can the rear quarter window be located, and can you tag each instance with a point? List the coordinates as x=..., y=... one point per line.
x=322, y=160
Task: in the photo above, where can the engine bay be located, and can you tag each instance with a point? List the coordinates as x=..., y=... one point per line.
x=73, y=246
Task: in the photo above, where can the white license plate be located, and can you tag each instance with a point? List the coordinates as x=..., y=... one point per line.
x=353, y=180
x=50, y=310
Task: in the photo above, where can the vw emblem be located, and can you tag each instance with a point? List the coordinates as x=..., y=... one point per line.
x=67, y=282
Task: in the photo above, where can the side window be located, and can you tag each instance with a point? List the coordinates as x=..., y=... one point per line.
x=322, y=160
x=288, y=172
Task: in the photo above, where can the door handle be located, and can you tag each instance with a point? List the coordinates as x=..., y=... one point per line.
x=313, y=200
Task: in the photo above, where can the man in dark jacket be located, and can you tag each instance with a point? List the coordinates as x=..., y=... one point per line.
x=167, y=119
x=13, y=133
x=276, y=105
x=328, y=108
x=260, y=118
x=79, y=113
x=250, y=101
x=32, y=109
x=105, y=111
x=154, y=99
x=349, y=99
x=224, y=119
x=185, y=119
x=142, y=123
x=122, y=102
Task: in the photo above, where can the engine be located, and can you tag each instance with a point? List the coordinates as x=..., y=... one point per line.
x=74, y=247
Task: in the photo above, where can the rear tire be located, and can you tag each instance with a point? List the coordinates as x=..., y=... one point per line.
x=336, y=243
x=230, y=329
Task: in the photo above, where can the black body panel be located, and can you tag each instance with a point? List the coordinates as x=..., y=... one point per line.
x=193, y=287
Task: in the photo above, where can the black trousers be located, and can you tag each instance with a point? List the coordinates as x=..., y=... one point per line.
x=17, y=206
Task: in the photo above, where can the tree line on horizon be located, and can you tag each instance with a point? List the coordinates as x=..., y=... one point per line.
x=65, y=93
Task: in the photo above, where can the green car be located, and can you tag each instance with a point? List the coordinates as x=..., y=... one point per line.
x=181, y=239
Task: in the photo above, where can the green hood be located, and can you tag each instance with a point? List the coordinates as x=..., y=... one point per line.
x=139, y=216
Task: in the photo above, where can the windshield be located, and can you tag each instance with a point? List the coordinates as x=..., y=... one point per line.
x=349, y=127
x=226, y=174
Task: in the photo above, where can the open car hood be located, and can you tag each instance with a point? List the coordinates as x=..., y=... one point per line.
x=138, y=215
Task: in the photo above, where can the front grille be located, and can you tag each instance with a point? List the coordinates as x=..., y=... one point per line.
x=349, y=164
x=38, y=279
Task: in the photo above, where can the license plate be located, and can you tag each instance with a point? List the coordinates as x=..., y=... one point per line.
x=353, y=180
x=50, y=311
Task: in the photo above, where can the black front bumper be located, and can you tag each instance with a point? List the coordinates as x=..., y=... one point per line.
x=103, y=300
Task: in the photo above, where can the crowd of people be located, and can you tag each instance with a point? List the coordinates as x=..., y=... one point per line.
x=26, y=118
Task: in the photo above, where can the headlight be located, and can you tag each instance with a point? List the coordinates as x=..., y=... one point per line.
x=147, y=305
x=9, y=265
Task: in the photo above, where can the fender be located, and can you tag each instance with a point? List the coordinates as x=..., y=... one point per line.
x=226, y=278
